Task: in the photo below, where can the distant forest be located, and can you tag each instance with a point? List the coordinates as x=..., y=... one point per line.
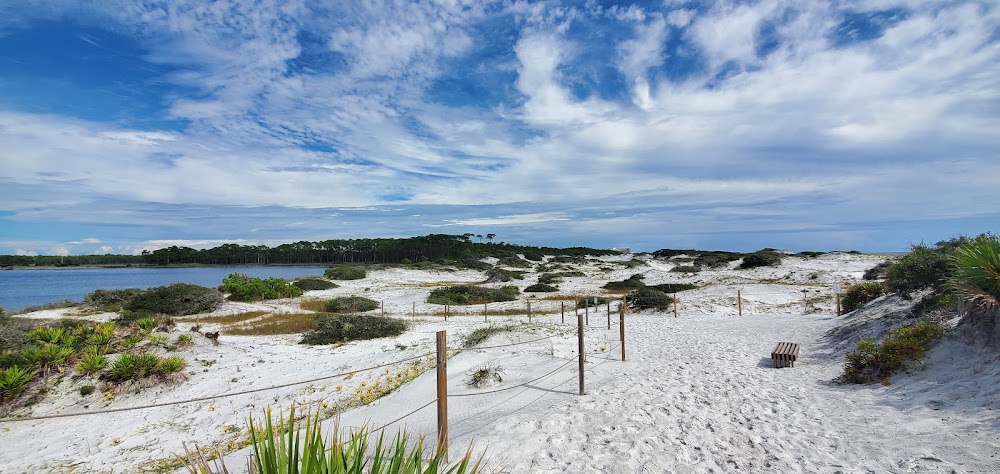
x=412, y=249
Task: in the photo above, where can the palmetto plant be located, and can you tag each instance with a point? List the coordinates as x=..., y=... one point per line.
x=977, y=271
x=12, y=381
x=92, y=361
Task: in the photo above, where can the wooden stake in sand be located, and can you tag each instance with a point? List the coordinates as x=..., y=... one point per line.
x=739, y=302
x=579, y=338
x=562, y=311
x=621, y=329
x=675, y=305
x=609, y=315
x=442, y=392
x=413, y=312
x=485, y=313
x=529, y=311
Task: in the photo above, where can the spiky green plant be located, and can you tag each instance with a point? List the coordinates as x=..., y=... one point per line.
x=52, y=355
x=92, y=361
x=158, y=339
x=103, y=334
x=12, y=381
x=125, y=367
x=977, y=271
x=48, y=334
x=146, y=324
x=284, y=448
x=184, y=340
x=172, y=364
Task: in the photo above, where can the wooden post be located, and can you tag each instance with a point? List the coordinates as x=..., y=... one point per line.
x=621, y=329
x=381, y=304
x=413, y=311
x=838, y=303
x=609, y=315
x=586, y=305
x=675, y=305
x=739, y=302
x=579, y=338
x=445, y=312
x=442, y=392
x=562, y=311
x=529, y=311
x=485, y=313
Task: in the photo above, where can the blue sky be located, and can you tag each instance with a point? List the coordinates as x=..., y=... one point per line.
x=865, y=125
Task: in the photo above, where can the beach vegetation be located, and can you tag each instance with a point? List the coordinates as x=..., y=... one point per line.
x=649, y=298
x=13, y=380
x=92, y=361
x=49, y=306
x=183, y=340
x=177, y=299
x=630, y=283
x=878, y=272
x=487, y=375
x=534, y=256
x=111, y=300
x=473, y=264
x=499, y=275
x=590, y=301
x=686, y=269
x=345, y=272
x=479, y=335
x=470, y=294
x=87, y=390
x=331, y=329
x=350, y=304
x=549, y=279
x=761, y=258
x=977, y=271
x=295, y=323
x=856, y=296
x=540, y=288
x=246, y=288
x=877, y=361
x=673, y=287
x=514, y=261
x=311, y=284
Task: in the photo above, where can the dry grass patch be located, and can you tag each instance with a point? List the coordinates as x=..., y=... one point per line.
x=313, y=305
x=228, y=319
x=276, y=324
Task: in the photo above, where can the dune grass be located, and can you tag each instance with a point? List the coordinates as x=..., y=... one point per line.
x=295, y=323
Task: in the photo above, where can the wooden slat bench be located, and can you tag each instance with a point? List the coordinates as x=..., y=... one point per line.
x=784, y=354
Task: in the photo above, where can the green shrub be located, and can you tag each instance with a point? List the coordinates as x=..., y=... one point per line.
x=172, y=364
x=51, y=335
x=878, y=272
x=648, y=298
x=486, y=375
x=50, y=356
x=245, y=288
x=129, y=366
x=685, y=269
x=584, y=302
x=761, y=258
x=310, y=284
x=631, y=283
x=540, y=288
x=534, y=256
x=474, y=264
x=345, y=272
x=350, y=304
x=923, y=267
x=516, y=262
x=92, y=361
x=549, y=279
x=481, y=334
x=468, y=294
x=111, y=300
x=332, y=329
x=178, y=299
x=977, y=271
x=146, y=324
x=874, y=362
x=856, y=296
x=714, y=258
x=87, y=390
x=183, y=340
x=102, y=335
x=673, y=287
x=499, y=275
x=13, y=380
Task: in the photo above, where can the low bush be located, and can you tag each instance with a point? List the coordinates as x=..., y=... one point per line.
x=877, y=362
x=481, y=334
x=350, y=304
x=923, y=267
x=648, y=298
x=549, y=279
x=516, y=262
x=590, y=300
x=878, y=272
x=761, y=258
x=631, y=283
x=673, y=287
x=856, y=296
x=685, y=269
x=111, y=300
x=540, y=288
x=977, y=271
x=178, y=299
x=92, y=361
x=332, y=329
x=12, y=381
x=468, y=294
x=715, y=258
x=87, y=390
x=486, y=375
x=499, y=275
x=534, y=256
x=311, y=284
x=474, y=264
x=245, y=288
x=345, y=272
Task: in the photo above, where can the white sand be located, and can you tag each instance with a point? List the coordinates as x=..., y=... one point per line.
x=697, y=393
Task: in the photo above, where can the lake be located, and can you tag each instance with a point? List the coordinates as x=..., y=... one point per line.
x=22, y=288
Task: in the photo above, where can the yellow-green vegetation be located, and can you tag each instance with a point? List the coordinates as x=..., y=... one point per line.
x=311, y=304
x=468, y=294
x=383, y=385
x=332, y=329
x=350, y=304
x=856, y=296
x=283, y=447
x=977, y=271
x=177, y=299
x=245, y=288
x=276, y=324
x=345, y=272
x=481, y=334
x=110, y=300
x=228, y=319
x=12, y=381
x=876, y=362
x=485, y=376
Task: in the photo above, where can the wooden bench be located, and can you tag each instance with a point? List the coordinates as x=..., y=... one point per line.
x=784, y=354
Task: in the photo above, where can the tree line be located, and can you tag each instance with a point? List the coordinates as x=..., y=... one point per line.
x=379, y=250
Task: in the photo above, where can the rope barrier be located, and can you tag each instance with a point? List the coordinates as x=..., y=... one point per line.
x=404, y=416
x=557, y=369
x=512, y=344
x=212, y=397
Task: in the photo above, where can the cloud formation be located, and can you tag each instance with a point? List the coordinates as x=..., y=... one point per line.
x=723, y=124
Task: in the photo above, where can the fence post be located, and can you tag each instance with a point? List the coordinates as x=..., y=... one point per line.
x=529, y=311
x=739, y=302
x=621, y=328
x=675, y=305
x=562, y=311
x=446, y=312
x=413, y=311
x=837, y=296
x=586, y=311
x=609, y=316
x=381, y=304
x=485, y=313
x=442, y=392
x=579, y=338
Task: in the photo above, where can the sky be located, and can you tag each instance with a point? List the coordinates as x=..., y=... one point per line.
x=736, y=125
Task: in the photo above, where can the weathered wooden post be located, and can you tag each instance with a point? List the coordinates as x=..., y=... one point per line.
x=442, y=392
x=579, y=338
x=562, y=311
x=529, y=311
x=381, y=305
x=621, y=329
x=413, y=311
x=485, y=318
x=836, y=289
x=675, y=305
x=586, y=311
x=739, y=302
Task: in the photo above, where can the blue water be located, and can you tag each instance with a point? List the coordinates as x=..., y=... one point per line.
x=22, y=288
